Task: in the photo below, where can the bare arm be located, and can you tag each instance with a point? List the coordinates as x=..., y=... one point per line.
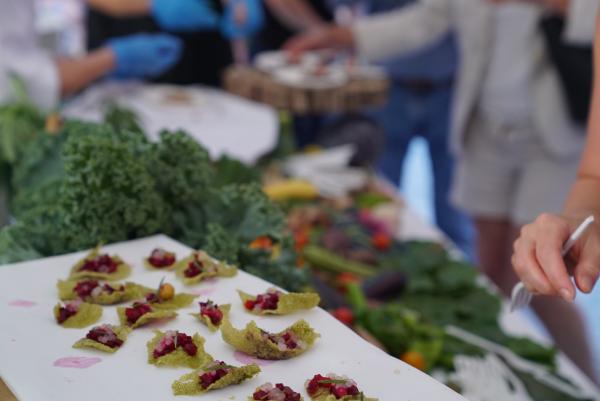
x=122, y=8
x=75, y=74
x=297, y=15
x=537, y=258
x=585, y=194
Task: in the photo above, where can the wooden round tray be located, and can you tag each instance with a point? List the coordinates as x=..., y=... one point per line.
x=356, y=94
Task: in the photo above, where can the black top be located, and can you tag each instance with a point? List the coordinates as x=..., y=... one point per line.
x=204, y=57
x=275, y=34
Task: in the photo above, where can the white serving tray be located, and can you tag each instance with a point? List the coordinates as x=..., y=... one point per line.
x=31, y=342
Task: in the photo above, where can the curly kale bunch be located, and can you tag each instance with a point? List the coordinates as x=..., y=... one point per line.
x=108, y=194
x=95, y=183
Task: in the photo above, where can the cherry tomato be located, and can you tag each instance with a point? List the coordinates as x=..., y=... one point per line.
x=262, y=242
x=301, y=239
x=166, y=292
x=381, y=241
x=414, y=359
x=346, y=278
x=344, y=315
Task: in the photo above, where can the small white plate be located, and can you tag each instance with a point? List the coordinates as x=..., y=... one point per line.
x=272, y=61
x=332, y=77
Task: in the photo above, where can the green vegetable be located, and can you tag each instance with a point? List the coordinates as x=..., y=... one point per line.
x=330, y=261
x=95, y=183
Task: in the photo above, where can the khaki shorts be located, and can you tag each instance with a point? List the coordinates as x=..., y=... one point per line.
x=505, y=172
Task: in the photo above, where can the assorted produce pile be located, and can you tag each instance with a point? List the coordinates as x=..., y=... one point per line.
x=73, y=185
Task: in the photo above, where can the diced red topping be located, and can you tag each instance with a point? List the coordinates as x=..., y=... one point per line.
x=194, y=268
x=91, y=288
x=212, y=311
x=105, y=335
x=152, y=298
x=136, y=311
x=213, y=373
x=85, y=288
x=286, y=341
x=66, y=311
x=337, y=386
x=100, y=264
x=266, y=301
x=171, y=341
x=279, y=392
x=161, y=258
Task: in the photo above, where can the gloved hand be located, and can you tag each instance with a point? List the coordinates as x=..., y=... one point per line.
x=242, y=18
x=145, y=55
x=185, y=15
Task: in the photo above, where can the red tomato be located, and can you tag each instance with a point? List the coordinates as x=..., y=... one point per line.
x=262, y=242
x=381, y=241
x=344, y=315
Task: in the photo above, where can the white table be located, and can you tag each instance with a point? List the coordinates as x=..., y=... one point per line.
x=31, y=342
x=221, y=122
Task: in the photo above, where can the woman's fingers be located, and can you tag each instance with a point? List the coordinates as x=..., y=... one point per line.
x=587, y=269
x=553, y=233
x=529, y=270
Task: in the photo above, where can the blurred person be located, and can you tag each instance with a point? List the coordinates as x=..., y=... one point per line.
x=419, y=105
x=517, y=147
x=47, y=78
x=537, y=252
x=205, y=28
x=284, y=18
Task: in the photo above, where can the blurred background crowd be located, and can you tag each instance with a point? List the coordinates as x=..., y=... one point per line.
x=486, y=115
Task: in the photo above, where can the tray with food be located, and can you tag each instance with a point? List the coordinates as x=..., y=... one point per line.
x=147, y=346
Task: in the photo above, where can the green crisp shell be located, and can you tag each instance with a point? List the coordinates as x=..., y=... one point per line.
x=121, y=331
x=189, y=384
x=288, y=303
x=251, y=341
x=132, y=292
x=251, y=398
x=147, y=318
x=223, y=269
x=86, y=315
x=123, y=269
x=206, y=320
x=179, y=301
x=331, y=397
x=179, y=358
x=149, y=266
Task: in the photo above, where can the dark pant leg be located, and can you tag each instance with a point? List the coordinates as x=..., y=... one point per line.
x=397, y=118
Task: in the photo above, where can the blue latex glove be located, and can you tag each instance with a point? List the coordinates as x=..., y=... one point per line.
x=185, y=15
x=145, y=55
x=242, y=18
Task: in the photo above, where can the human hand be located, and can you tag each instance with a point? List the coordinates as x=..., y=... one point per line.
x=185, y=15
x=328, y=37
x=144, y=55
x=242, y=18
x=538, y=262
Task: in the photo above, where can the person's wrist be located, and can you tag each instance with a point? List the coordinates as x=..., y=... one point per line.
x=342, y=36
x=109, y=57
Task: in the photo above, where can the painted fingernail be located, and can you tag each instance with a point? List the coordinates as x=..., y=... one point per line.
x=566, y=295
x=586, y=283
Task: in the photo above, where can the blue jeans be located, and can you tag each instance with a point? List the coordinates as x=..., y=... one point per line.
x=409, y=114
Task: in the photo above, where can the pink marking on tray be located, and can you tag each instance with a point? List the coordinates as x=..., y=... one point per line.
x=22, y=303
x=246, y=359
x=77, y=362
x=204, y=292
